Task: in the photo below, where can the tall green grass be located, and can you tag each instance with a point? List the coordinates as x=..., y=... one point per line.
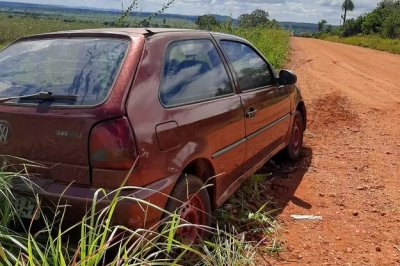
x=272, y=43
x=100, y=242
x=370, y=41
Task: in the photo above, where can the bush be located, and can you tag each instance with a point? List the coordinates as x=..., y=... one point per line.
x=352, y=27
x=372, y=24
x=206, y=22
x=391, y=25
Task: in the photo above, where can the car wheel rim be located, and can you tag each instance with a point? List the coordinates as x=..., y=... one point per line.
x=192, y=215
x=296, y=136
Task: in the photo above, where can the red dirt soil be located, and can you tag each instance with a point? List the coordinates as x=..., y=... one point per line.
x=350, y=170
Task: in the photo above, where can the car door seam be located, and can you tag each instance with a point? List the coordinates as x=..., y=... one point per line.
x=259, y=131
x=228, y=148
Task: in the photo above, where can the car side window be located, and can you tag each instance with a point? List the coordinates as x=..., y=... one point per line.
x=251, y=69
x=193, y=71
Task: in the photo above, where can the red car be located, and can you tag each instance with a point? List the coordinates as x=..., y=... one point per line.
x=172, y=109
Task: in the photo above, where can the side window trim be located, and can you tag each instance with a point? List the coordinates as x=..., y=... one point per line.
x=228, y=66
x=224, y=64
x=233, y=72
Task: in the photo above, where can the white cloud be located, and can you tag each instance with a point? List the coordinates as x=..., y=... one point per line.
x=281, y=10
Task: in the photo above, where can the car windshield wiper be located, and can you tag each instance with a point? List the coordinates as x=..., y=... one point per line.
x=43, y=95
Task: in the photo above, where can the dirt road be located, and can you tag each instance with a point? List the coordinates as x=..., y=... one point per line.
x=350, y=170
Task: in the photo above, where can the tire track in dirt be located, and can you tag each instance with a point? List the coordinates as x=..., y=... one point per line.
x=349, y=173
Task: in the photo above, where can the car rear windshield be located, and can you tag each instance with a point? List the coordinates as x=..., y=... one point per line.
x=81, y=67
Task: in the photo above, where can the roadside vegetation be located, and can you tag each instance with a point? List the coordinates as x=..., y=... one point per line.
x=13, y=27
x=272, y=43
x=379, y=29
x=264, y=33
x=373, y=42
x=256, y=27
x=243, y=229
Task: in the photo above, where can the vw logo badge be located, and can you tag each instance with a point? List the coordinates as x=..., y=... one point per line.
x=5, y=132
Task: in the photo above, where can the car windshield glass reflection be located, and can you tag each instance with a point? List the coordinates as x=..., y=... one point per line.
x=193, y=71
x=82, y=67
x=252, y=71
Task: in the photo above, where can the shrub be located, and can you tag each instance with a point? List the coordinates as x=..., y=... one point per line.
x=391, y=25
x=372, y=23
x=352, y=27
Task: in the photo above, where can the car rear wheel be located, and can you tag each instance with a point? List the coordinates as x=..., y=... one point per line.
x=191, y=201
x=293, y=150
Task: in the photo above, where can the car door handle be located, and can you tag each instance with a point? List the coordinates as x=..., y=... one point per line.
x=251, y=113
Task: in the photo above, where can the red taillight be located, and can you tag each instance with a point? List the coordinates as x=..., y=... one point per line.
x=112, y=145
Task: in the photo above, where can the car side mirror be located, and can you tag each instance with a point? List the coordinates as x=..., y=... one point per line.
x=287, y=77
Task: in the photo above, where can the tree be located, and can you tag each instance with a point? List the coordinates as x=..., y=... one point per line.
x=255, y=19
x=274, y=24
x=389, y=3
x=206, y=22
x=391, y=25
x=389, y=13
x=321, y=25
x=348, y=5
x=372, y=23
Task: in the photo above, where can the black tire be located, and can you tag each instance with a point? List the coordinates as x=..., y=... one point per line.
x=293, y=149
x=191, y=200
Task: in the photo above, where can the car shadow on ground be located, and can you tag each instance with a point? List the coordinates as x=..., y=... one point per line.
x=284, y=179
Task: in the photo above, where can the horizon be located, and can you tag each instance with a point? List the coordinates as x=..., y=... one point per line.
x=298, y=11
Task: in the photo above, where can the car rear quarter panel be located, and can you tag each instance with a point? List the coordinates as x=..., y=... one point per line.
x=202, y=128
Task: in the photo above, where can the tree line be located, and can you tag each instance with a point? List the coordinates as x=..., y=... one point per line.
x=384, y=20
x=257, y=18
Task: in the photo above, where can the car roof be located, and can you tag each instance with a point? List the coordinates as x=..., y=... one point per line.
x=127, y=31
x=123, y=31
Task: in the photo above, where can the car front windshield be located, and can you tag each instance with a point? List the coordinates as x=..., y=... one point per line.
x=81, y=67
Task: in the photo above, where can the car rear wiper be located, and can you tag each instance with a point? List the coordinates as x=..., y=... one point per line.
x=43, y=95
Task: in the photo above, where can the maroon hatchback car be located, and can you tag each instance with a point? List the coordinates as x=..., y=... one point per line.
x=169, y=110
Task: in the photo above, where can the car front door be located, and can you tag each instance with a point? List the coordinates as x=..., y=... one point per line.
x=266, y=105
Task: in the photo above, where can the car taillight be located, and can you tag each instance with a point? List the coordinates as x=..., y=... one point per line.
x=112, y=145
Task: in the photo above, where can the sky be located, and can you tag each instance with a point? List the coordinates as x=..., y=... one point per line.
x=281, y=10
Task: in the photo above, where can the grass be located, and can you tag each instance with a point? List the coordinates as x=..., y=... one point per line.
x=272, y=43
x=373, y=42
x=235, y=239
x=14, y=27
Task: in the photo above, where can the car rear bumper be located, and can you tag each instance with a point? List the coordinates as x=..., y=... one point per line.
x=138, y=207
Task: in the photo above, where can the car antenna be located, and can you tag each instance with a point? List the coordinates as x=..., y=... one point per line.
x=149, y=31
